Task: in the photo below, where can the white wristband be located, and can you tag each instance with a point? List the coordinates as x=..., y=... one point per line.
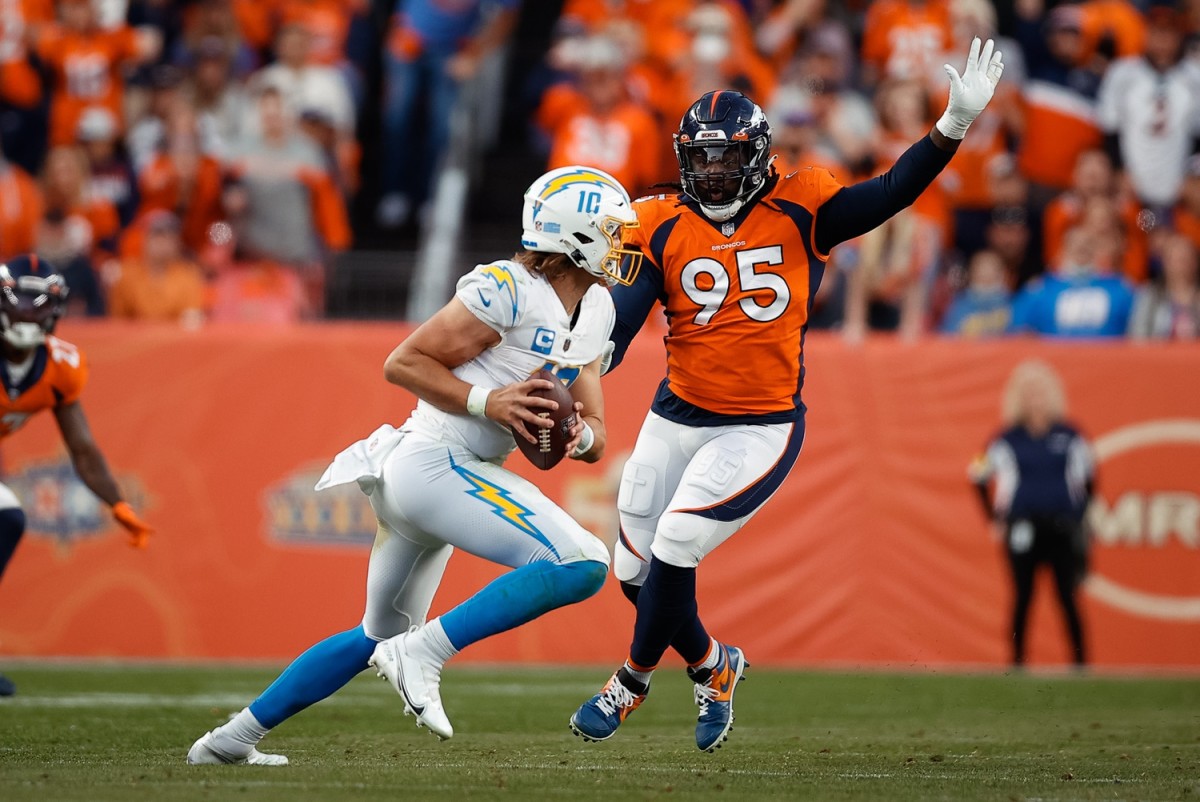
x=477, y=401
x=952, y=127
x=586, y=441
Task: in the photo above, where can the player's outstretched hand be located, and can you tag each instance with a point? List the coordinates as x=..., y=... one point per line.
x=515, y=406
x=139, y=530
x=970, y=92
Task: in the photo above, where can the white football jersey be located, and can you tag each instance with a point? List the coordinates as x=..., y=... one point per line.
x=1157, y=116
x=535, y=332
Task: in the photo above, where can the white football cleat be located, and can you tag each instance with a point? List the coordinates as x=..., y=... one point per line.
x=416, y=680
x=205, y=752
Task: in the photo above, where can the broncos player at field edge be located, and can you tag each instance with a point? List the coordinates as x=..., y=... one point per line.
x=736, y=260
x=40, y=372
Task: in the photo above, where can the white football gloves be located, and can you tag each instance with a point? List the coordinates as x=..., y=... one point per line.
x=972, y=91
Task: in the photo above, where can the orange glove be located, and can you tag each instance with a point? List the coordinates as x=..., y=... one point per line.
x=139, y=531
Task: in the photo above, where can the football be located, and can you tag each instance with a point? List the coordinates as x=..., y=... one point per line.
x=551, y=446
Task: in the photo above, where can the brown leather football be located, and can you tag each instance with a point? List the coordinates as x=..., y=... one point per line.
x=551, y=446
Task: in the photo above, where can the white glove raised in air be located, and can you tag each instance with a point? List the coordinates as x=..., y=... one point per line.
x=972, y=91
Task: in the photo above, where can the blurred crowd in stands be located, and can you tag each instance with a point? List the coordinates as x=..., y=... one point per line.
x=1070, y=210
x=196, y=160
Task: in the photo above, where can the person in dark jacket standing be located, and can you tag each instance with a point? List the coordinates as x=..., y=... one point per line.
x=1041, y=475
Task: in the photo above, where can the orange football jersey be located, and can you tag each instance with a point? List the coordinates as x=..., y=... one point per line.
x=87, y=72
x=56, y=379
x=737, y=298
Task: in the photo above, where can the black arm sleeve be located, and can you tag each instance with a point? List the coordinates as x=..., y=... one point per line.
x=857, y=209
x=633, y=304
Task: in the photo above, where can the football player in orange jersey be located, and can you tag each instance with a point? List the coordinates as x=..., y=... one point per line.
x=43, y=372
x=736, y=260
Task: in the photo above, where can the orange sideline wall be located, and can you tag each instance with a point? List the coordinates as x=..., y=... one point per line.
x=873, y=552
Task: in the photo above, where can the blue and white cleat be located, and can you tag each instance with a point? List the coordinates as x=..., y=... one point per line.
x=597, y=719
x=417, y=680
x=714, y=696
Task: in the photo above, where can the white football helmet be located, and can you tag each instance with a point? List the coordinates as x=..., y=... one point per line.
x=584, y=213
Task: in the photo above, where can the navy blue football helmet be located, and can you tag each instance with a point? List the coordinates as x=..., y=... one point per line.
x=723, y=147
x=32, y=295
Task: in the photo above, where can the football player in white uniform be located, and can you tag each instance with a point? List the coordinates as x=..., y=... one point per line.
x=436, y=483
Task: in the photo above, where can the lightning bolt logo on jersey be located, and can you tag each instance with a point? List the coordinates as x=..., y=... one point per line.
x=535, y=332
x=502, y=503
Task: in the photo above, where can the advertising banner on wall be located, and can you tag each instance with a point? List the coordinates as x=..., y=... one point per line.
x=874, y=552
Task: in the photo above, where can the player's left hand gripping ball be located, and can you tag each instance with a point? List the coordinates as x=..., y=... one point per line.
x=970, y=92
x=139, y=530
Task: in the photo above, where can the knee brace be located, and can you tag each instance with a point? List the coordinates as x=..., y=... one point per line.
x=680, y=538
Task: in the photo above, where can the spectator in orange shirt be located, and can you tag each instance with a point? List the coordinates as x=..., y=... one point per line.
x=1059, y=97
x=182, y=180
x=594, y=122
x=21, y=131
x=20, y=210
x=1094, y=179
x=328, y=21
x=160, y=285
x=719, y=52
x=85, y=62
x=92, y=219
x=1112, y=29
x=905, y=39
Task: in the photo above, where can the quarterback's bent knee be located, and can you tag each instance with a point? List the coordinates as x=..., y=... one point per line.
x=579, y=580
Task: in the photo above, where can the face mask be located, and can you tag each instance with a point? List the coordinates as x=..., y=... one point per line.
x=24, y=335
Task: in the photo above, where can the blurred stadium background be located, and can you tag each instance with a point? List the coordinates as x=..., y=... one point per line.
x=233, y=189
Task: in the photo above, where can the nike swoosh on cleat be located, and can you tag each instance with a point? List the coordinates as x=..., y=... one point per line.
x=418, y=710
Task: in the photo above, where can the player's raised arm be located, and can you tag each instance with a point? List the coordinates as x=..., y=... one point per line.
x=857, y=209
x=93, y=470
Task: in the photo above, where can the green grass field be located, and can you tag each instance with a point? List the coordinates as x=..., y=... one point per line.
x=121, y=733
